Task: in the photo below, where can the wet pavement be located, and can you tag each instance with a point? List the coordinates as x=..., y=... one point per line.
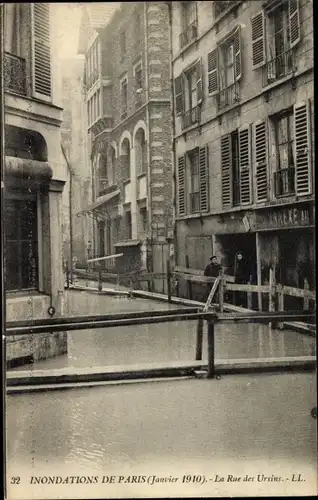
x=242, y=424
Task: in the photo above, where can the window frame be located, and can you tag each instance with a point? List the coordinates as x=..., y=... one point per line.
x=124, y=82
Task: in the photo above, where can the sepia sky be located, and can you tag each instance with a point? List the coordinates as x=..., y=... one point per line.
x=67, y=19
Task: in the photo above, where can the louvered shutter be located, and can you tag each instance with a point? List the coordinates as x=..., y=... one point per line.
x=294, y=25
x=302, y=148
x=226, y=170
x=245, y=166
x=181, y=186
x=258, y=40
x=237, y=53
x=42, y=86
x=260, y=137
x=199, y=81
x=204, y=179
x=213, y=73
x=178, y=89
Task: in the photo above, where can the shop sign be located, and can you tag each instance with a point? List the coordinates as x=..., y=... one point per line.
x=282, y=218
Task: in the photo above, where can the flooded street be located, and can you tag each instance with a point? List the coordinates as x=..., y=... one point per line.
x=173, y=427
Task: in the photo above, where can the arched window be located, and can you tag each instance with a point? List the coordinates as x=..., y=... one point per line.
x=125, y=159
x=141, y=152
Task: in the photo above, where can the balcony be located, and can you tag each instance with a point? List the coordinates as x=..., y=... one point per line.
x=284, y=181
x=189, y=34
x=228, y=96
x=191, y=117
x=103, y=124
x=278, y=68
x=14, y=74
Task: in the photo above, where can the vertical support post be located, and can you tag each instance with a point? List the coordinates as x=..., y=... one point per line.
x=306, y=299
x=280, y=293
x=259, y=271
x=249, y=296
x=168, y=280
x=67, y=275
x=271, y=304
x=189, y=284
x=221, y=290
x=100, y=280
x=199, y=340
x=211, y=353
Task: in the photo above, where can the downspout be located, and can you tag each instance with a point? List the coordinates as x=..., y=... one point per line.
x=148, y=123
x=70, y=209
x=173, y=149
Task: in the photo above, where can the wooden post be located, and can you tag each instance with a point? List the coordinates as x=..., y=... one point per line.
x=271, y=304
x=199, y=340
x=221, y=290
x=67, y=275
x=188, y=282
x=306, y=299
x=280, y=293
x=249, y=296
x=259, y=271
x=100, y=280
x=168, y=281
x=211, y=353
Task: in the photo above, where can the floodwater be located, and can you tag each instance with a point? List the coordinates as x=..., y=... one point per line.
x=192, y=432
x=166, y=341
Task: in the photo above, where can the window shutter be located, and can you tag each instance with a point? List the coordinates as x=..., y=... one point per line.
x=260, y=137
x=258, y=40
x=245, y=165
x=213, y=73
x=41, y=49
x=199, y=81
x=294, y=25
x=178, y=89
x=237, y=52
x=181, y=186
x=302, y=148
x=204, y=179
x=226, y=170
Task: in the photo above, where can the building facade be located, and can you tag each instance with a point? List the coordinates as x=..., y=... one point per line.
x=34, y=176
x=128, y=92
x=244, y=135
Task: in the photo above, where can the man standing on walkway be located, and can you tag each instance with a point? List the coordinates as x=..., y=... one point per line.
x=242, y=276
x=212, y=270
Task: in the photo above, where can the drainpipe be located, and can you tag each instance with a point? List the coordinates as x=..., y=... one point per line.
x=173, y=149
x=148, y=123
x=70, y=209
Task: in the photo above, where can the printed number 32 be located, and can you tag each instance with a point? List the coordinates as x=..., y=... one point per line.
x=15, y=480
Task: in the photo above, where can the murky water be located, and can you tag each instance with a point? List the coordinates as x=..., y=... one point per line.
x=241, y=424
x=166, y=341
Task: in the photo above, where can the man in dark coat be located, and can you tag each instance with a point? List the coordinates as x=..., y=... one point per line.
x=242, y=276
x=212, y=270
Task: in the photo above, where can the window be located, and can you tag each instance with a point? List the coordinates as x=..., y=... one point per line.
x=21, y=244
x=124, y=97
x=188, y=89
x=236, y=168
x=11, y=27
x=192, y=182
x=189, y=23
x=221, y=6
x=138, y=76
x=128, y=231
x=41, y=50
x=122, y=45
x=275, y=32
x=284, y=177
x=137, y=29
x=143, y=219
x=191, y=88
x=225, y=70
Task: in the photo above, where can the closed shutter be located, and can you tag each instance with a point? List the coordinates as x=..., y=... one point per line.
x=213, y=73
x=258, y=40
x=294, y=25
x=41, y=46
x=178, y=90
x=204, y=179
x=181, y=186
x=226, y=170
x=199, y=81
x=237, y=51
x=260, y=137
x=245, y=166
x=302, y=148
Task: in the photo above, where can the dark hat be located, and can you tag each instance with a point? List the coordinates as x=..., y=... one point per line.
x=213, y=257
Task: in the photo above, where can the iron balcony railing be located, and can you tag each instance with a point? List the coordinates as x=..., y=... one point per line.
x=189, y=34
x=191, y=117
x=14, y=74
x=279, y=67
x=284, y=181
x=228, y=96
